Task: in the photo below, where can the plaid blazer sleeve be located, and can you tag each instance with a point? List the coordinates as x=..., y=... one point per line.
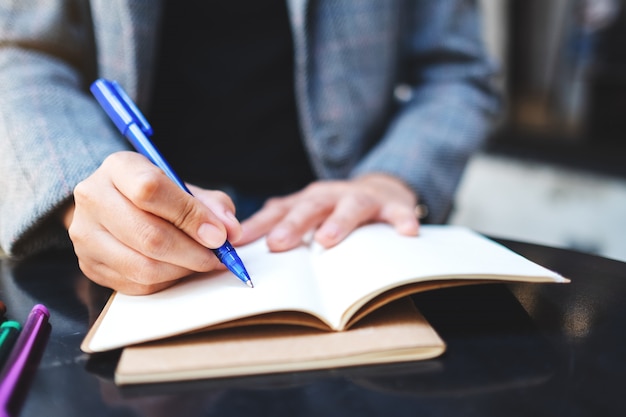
x=356, y=58
x=448, y=109
x=47, y=119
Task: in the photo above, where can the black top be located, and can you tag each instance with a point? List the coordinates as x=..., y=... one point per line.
x=224, y=110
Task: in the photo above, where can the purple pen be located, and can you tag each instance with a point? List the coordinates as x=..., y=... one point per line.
x=23, y=361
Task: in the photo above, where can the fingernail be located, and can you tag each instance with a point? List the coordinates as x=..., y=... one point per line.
x=409, y=228
x=330, y=231
x=279, y=235
x=210, y=235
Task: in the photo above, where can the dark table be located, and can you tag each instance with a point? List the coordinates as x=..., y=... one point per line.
x=513, y=350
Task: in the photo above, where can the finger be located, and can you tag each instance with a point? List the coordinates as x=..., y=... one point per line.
x=113, y=265
x=107, y=277
x=159, y=240
x=144, y=232
x=349, y=213
x=223, y=207
x=398, y=202
x=402, y=217
x=147, y=187
x=261, y=222
x=305, y=215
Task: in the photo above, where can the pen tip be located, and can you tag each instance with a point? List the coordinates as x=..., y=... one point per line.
x=249, y=284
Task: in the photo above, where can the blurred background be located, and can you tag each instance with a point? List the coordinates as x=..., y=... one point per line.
x=554, y=170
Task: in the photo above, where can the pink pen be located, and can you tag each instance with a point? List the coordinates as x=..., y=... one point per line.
x=23, y=361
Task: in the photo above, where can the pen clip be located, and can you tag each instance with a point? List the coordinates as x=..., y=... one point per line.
x=119, y=106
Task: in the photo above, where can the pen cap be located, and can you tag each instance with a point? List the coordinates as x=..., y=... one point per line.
x=9, y=330
x=21, y=365
x=118, y=106
x=11, y=324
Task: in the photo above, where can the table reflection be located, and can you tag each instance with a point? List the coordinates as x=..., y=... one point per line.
x=520, y=349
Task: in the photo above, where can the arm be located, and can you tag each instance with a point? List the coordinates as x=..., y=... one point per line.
x=448, y=107
x=62, y=165
x=426, y=141
x=46, y=120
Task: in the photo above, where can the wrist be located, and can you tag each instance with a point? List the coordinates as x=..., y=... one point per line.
x=386, y=181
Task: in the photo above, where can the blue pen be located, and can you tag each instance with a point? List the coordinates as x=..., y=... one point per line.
x=134, y=126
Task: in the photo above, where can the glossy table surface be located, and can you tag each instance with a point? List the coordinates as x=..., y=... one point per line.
x=513, y=350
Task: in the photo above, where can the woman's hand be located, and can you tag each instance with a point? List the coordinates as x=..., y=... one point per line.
x=333, y=209
x=135, y=231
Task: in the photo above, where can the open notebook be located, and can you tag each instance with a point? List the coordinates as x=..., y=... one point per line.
x=396, y=332
x=310, y=286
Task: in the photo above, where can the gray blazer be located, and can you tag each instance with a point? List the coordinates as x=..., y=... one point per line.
x=402, y=87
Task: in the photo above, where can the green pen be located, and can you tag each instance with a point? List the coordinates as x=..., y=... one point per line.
x=9, y=330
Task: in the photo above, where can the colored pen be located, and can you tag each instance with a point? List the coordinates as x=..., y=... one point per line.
x=23, y=361
x=135, y=127
x=9, y=330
